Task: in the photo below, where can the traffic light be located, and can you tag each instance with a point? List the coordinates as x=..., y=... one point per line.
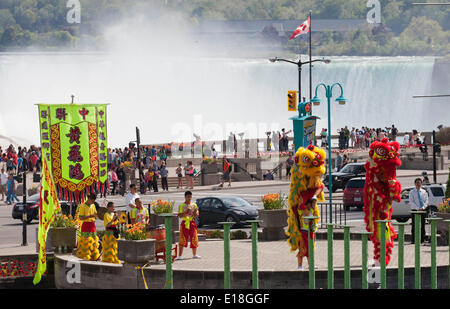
x=292, y=101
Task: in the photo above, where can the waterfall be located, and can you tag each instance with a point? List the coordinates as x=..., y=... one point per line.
x=170, y=99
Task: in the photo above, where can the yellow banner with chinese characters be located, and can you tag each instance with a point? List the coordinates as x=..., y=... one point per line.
x=74, y=141
x=48, y=206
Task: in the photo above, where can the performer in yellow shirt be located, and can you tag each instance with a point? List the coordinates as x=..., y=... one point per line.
x=188, y=229
x=139, y=213
x=109, y=242
x=88, y=242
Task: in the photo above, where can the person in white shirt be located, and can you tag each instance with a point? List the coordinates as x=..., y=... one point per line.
x=130, y=198
x=3, y=182
x=418, y=200
x=406, y=139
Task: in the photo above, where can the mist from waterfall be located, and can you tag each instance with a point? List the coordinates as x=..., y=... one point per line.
x=157, y=78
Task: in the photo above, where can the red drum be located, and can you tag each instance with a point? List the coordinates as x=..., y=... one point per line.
x=158, y=234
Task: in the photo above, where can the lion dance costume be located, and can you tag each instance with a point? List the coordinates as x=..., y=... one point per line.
x=380, y=190
x=306, y=183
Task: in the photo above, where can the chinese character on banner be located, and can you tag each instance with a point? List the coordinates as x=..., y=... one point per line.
x=75, y=172
x=75, y=154
x=61, y=113
x=83, y=112
x=74, y=135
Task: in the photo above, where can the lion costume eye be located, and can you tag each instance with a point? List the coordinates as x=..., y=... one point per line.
x=381, y=152
x=306, y=159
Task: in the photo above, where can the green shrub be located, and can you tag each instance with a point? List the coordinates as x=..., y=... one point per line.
x=238, y=235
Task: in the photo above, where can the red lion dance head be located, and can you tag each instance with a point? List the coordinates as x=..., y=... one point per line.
x=380, y=190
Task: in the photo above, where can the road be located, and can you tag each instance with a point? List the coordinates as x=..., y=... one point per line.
x=11, y=230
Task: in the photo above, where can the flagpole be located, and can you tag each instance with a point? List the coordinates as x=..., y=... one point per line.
x=310, y=59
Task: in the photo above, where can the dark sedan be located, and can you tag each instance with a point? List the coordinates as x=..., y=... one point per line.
x=340, y=179
x=225, y=209
x=32, y=208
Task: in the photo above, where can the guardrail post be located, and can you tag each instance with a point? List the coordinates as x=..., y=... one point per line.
x=226, y=253
x=347, y=277
x=364, y=255
x=401, y=254
x=255, y=279
x=382, y=227
x=417, y=240
x=168, y=226
x=433, y=252
x=312, y=274
x=448, y=238
x=330, y=255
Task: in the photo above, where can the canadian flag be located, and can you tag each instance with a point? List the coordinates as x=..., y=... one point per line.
x=303, y=28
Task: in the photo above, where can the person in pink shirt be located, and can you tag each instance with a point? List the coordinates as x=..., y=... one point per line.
x=33, y=160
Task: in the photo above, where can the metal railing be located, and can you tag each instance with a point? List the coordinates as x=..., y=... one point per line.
x=239, y=167
x=382, y=224
x=339, y=214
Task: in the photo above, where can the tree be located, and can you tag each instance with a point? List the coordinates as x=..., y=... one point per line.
x=8, y=36
x=27, y=19
x=6, y=18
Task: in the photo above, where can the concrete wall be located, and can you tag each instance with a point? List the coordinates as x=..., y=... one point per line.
x=97, y=275
x=417, y=162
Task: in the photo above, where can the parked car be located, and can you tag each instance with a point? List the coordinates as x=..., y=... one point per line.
x=225, y=209
x=32, y=208
x=401, y=211
x=340, y=179
x=354, y=193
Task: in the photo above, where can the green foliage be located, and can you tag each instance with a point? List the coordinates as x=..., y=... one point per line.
x=407, y=29
x=274, y=201
x=239, y=234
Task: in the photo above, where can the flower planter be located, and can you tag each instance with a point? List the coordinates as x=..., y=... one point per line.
x=209, y=168
x=156, y=220
x=63, y=237
x=136, y=251
x=442, y=227
x=274, y=222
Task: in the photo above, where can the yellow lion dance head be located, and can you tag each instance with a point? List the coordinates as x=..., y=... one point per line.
x=310, y=161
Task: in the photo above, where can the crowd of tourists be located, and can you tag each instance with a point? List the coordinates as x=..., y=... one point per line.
x=13, y=162
x=362, y=138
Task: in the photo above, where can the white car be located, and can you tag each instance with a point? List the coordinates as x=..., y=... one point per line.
x=401, y=211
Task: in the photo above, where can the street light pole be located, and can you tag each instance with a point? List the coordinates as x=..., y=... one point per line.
x=434, y=157
x=25, y=209
x=316, y=101
x=299, y=64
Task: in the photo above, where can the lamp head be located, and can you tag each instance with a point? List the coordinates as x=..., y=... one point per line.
x=326, y=61
x=273, y=59
x=315, y=101
x=341, y=100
